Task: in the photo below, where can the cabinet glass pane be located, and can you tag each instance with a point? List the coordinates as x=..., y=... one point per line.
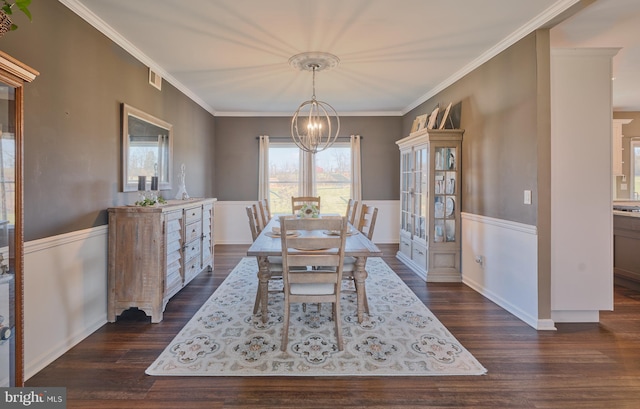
x=439, y=231
x=450, y=183
x=8, y=176
x=450, y=230
x=438, y=207
x=440, y=180
x=446, y=159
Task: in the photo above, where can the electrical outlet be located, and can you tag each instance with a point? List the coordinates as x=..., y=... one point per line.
x=623, y=186
x=527, y=197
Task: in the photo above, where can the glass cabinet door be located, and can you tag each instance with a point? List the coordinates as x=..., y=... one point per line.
x=13, y=75
x=420, y=207
x=7, y=228
x=406, y=191
x=445, y=194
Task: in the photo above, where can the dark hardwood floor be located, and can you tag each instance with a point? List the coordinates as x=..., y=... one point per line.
x=578, y=366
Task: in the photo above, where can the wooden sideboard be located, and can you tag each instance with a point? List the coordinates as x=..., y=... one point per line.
x=155, y=251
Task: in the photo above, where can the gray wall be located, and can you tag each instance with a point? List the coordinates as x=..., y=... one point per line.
x=499, y=115
x=72, y=122
x=72, y=130
x=236, y=154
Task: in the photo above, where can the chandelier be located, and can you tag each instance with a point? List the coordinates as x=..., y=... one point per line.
x=315, y=124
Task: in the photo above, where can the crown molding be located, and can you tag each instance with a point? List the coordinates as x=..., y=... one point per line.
x=290, y=114
x=90, y=17
x=537, y=22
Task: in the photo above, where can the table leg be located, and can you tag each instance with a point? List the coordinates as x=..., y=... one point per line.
x=360, y=275
x=264, y=275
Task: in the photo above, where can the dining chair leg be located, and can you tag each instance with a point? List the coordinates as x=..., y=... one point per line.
x=336, y=318
x=285, y=328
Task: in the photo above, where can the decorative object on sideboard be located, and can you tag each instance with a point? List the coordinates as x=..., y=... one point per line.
x=182, y=188
x=147, y=149
x=322, y=125
x=6, y=24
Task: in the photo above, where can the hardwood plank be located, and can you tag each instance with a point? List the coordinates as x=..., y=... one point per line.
x=577, y=366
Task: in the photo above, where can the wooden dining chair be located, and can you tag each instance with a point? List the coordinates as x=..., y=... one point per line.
x=254, y=225
x=322, y=257
x=366, y=226
x=275, y=262
x=352, y=209
x=265, y=212
x=298, y=202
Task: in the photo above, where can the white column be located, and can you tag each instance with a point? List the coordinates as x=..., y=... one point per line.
x=581, y=184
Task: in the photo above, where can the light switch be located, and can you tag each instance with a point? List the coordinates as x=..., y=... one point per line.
x=623, y=186
x=527, y=197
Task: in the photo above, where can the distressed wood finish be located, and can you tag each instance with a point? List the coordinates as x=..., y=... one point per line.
x=357, y=245
x=154, y=252
x=579, y=366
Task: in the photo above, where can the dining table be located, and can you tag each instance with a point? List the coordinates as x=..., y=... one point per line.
x=268, y=244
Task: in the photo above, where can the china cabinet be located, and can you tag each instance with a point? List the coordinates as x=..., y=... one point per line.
x=155, y=251
x=430, y=203
x=13, y=76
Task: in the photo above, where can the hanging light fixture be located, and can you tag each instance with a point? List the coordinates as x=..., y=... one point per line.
x=315, y=125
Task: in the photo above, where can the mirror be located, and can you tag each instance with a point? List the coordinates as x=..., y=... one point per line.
x=147, y=149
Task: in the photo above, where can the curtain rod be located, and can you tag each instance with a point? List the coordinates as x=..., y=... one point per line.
x=288, y=138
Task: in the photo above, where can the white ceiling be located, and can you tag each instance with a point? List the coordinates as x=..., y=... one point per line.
x=231, y=56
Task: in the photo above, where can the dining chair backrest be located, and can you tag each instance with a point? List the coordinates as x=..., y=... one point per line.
x=317, y=246
x=265, y=212
x=367, y=223
x=298, y=202
x=352, y=208
x=253, y=222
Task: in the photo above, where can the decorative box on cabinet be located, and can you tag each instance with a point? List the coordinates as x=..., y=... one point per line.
x=155, y=251
x=430, y=178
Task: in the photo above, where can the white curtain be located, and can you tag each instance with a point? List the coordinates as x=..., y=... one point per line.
x=263, y=168
x=356, y=173
x=307, y=187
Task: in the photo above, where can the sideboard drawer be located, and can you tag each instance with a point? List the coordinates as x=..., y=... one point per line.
x=193, y=214
x=191, y=250
x=193, y=231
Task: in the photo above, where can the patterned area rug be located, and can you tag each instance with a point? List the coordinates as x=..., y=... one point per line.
x=401, y=337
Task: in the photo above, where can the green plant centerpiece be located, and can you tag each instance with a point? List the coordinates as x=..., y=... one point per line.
x=309, y=210
x=150, y=201
x=7, y=7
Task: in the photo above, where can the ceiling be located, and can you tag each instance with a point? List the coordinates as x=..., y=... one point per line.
x=231, y=57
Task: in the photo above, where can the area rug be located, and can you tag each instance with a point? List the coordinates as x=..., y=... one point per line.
x=400, y=337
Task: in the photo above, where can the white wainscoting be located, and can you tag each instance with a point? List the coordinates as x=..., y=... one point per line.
x=500, y=261
x=65, y=280
x=65, y=293
x=231, y=225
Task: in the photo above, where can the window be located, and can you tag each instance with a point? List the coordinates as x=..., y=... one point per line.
x=332, y=176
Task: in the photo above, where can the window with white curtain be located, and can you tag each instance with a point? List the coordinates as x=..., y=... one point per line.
x=332, y=176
